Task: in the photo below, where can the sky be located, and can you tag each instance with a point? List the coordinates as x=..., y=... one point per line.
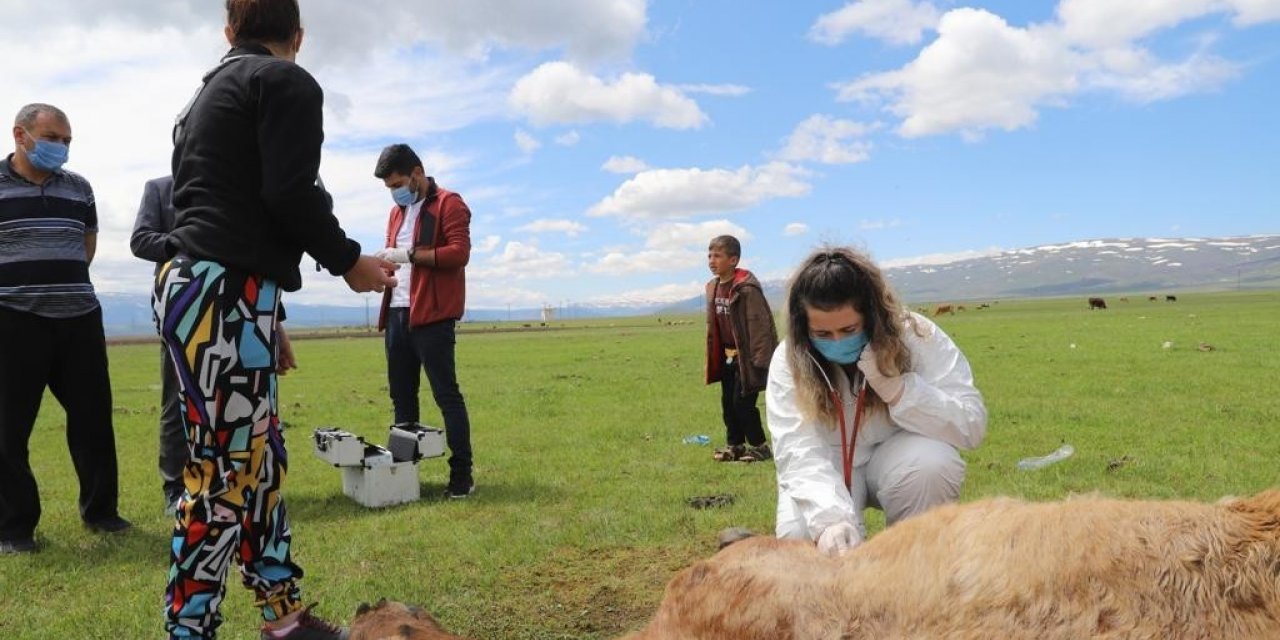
x=601, y=144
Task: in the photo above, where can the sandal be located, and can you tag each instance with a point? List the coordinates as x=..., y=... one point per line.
x=731, y=453
x=757, y=454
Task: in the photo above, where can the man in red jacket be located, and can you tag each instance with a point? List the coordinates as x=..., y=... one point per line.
x=429, y=230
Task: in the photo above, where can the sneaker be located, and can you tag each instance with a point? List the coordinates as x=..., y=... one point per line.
x=307, y=627
x=17, y=545
x=459, y=488
x=114, y=524
x=731, y=453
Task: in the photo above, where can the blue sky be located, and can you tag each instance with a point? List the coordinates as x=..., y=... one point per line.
x=601, y=143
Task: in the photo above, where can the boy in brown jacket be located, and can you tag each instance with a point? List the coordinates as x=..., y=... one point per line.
x=741, y=337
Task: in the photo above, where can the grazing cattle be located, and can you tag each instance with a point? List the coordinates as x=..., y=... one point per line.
x=1171, y=298
x=1086, y=567
x=1124, y=299
x=1152, y=298
x=960, y=308
x=943, y=308
x=396, y=621
x=1097, y=303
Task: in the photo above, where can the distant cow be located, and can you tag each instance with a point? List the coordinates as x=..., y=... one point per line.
x=1124, y=299
x=1097, y=303
x=943, y=308
x=1171, y=298
x=1152, y=298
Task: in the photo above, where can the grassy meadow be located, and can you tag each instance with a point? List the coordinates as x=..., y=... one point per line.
x=580, y=518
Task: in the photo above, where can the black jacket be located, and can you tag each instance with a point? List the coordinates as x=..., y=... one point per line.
x=246, y=159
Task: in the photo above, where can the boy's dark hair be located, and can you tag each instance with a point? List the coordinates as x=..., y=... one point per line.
x=728, y=244
x=263, y=20
x=396, y=158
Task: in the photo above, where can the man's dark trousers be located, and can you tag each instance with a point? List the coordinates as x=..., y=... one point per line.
x=430, y=348
x=69, y=357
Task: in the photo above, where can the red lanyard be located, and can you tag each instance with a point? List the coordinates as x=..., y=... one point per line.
x=847, y=444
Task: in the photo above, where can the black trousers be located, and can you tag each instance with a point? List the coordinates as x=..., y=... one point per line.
x=741, y=416
x=69, y=357
x=429, y=348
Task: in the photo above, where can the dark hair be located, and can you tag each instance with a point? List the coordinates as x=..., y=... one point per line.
x=829, y=279
x=263, y=20
x=27, y=115
x=728, y=244
x=396, y=158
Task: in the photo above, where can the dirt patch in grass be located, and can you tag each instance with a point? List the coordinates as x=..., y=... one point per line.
x=584, y=593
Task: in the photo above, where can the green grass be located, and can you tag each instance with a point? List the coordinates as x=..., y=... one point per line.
x=580, y=515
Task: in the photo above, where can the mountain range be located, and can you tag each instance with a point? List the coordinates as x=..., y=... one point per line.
x=1090, y=267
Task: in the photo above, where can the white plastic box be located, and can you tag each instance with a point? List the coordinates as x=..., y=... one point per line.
x=382, y=485
x=413, y=441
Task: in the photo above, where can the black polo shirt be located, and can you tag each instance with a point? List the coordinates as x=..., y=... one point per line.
x=43, y=266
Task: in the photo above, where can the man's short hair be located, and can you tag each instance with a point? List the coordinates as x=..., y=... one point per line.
x=27, y=115
x=263, y=20
x=396, y=158
x=728, y=244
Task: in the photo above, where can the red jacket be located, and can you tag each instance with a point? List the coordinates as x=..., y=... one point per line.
x=439, y=292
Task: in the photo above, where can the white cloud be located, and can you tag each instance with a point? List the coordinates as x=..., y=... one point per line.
x=486, y=244
x=728, y=90
x=624, y=164
x=695, y=235
x=676, y=193
x=660, y=294
x=877, y=225
x=827, y=140
x=627, y=263
x=795, y=229
x=939, y=258
x=527, y=143
x=520, y=261
x=569, y=139
x=568, y=227
x=894, y=21
x=982, y=73
x=561, y=93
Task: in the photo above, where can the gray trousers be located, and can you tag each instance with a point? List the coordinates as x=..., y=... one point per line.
x=906, y=475
x=173, y=435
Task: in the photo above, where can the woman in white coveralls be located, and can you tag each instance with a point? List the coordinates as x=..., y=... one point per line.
x=867, y=405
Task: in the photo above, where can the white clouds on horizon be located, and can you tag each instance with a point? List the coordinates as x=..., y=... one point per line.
x=562, y=93
x=679, y=193
x=795, y=229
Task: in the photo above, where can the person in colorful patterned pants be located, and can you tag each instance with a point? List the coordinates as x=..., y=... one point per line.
x=248, y=203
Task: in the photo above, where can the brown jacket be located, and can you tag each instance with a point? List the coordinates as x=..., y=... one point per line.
x=753, y=330
x=438, y=292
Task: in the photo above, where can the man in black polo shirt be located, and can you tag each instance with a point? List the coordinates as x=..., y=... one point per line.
x=50, y=327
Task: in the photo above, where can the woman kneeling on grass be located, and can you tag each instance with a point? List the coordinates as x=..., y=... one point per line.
x=867, y=405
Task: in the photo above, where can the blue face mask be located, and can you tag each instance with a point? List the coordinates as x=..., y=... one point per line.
x=404, y=196
x=47, y=155
x=842, y=351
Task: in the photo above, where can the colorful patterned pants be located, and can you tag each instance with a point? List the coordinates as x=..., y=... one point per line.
x=219, y=327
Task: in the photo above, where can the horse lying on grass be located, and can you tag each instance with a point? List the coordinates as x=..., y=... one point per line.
x=1083, y=568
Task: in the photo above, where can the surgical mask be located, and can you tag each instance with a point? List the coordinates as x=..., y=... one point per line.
x=403, y=195
x=843, y=350
x=47, y=155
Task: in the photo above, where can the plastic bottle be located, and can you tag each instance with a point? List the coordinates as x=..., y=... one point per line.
x=1031, y=464
x=699, y=439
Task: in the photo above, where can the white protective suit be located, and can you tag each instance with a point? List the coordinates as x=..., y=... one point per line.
x=904, y=462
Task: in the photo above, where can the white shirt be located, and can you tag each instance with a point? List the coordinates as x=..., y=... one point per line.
x=404, y=238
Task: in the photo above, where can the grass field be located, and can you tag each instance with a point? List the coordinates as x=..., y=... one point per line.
x=580, y=518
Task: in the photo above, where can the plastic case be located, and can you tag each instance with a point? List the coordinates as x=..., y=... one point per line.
x=382, y=485
x=411, y=441
x=339, y=448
